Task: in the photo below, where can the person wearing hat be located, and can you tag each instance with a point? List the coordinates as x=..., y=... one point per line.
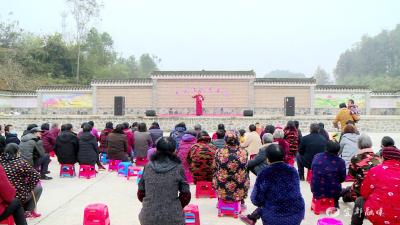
x=380, y=192
x=33, y=152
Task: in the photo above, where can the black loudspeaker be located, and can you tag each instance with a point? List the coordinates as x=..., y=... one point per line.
x=119, y=106
x=289, y=106
x=150, y=112
x=247, y=112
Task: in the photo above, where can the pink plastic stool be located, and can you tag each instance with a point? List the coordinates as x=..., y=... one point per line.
x=229, y=208
x=8, y=221
x=329, y=221
x=141, y=161
x=113, y=165
x=67, y=170
x=133, y=172
x=87, y=171
x=204, y=188
x=192, y=216
x=96, y=214
x=349, y=178
x=321, y=205
x=309, y=176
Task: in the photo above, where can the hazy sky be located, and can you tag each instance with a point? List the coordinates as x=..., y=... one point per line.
x=263, y=35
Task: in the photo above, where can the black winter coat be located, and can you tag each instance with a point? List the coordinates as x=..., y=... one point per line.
x=88, y=153
x=12, y=138
x=259, y=162
x=311, y=145
x=66, y=148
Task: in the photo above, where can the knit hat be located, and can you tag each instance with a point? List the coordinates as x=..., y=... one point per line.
x=389, y=153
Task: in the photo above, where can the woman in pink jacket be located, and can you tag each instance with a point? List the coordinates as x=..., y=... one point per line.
x=187, y=141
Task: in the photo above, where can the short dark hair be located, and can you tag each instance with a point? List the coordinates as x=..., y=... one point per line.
x=349, y=129
x=351, y=100
x=252, y=127
x=155, y=125
x=203, y=133
x=11, y=150
x=332, y=147
x=7, y=128
x=221, y=126
x=220, y=134
x=91, y=123
x=109, y=125
x=66, y=127
x=290, y=125
x=181, y=124
x=119, y=129
x=242, y=132
x=62, y=127
x=134, y=124
x=274, y=153
x=87, y=127
x=126, y=125
x=45, y=126
x=387, y=141
x=142, y=127
x=269, y=129
x=30, y=126
x=165, y=149
x=314, y=128
x=296, y=124
x=342, y=105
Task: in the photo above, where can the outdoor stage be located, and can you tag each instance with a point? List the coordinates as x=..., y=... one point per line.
x=194, y=115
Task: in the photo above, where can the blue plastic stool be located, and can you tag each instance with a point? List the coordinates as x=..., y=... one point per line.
x=140, y=174
x=123, y=168
x=103, y=158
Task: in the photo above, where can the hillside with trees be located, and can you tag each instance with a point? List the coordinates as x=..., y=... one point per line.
x=374, y=61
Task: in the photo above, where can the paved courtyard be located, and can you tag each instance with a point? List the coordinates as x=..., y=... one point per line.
x=63, y=200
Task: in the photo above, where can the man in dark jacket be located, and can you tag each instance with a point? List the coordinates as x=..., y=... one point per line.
x=67, y=145
x=33, y=152
x=11, y=135
x=88, y=153
x=311, y=145
x=155, y=132
x=220, y=141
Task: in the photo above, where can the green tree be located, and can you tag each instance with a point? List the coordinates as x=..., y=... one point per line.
x=147, y=64
x=321, y=76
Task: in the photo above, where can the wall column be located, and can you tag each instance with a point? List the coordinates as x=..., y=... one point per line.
x=312, y=100
x=251, y=95
x=368, y=103
x=94, y=100
x=39, y=102
x=154, y=102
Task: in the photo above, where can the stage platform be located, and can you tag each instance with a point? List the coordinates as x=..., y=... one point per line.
x=194, y=115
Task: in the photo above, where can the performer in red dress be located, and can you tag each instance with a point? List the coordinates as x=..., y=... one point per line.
x=199, y=103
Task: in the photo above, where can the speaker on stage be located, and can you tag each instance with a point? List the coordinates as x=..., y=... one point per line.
x=289, y=106
x=247, y=112
x=150, y=112
x=119, y=106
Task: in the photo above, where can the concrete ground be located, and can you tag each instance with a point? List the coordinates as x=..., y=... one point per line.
x=63, y=200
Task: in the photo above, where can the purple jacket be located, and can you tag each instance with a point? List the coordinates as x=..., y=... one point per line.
x=184, y=147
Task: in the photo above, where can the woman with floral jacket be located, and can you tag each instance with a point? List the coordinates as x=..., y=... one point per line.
x=231, y=179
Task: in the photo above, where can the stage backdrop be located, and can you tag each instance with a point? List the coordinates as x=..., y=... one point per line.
x=78, y=100
x=332, y=100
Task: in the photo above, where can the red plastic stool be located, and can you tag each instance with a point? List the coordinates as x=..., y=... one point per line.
x=204, y=188
x=113, y=165
x=87, y=171
x=96, y=214
x=133, y=172
x=8, y=221
x=321, y=205
x=229, y=208
x=67, y=170
x=309, y=176
x=192, y=216
x=141, y=161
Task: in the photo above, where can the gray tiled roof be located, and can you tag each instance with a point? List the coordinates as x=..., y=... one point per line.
x=64, y=87
x=286, y=80
x=204, y=73
x=122, y=81
x=342, y=87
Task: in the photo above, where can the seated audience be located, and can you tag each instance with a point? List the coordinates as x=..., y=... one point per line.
x=268, y=129
x=219, y=127
x=188, y=140
x=129, y=137
x=386, y=142
x=310, y=145
x=48, y=138
x=88, y=153
x=163, y=189
x=380, y=192
x=94, y=131
x=24, y=178
x=117, y=146
x=104, y=136
x=9, y=204
x=67, y=145
x=348, y=144
x=155, y=132
x=178, y=133
x=259, y=162
x=201, y=157
x=277, y=193
x=328, y=173
x=279, y=138
x=29, y=128
x=220, y=141
x=292, y=138
x=143, y=141
x=11, y=135
x=231, y=179
x=33, y=152
x=360, y=164
x=252, y=141
x=322, y=131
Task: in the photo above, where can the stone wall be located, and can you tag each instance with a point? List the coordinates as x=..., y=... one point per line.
x=389, y=124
